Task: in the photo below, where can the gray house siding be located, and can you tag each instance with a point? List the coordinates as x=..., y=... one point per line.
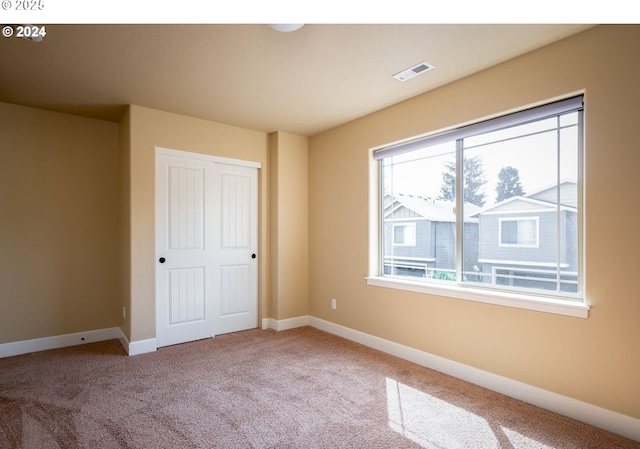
x=568, y=194
x=470, y=250
x=434, y=252
x=435, y=247
x=422, y=248
x=569, y=244
x=490, y=249
x=532, y=263
x=526, y=264
x=444, y=243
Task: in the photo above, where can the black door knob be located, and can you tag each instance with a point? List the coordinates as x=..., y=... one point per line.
x=253, y=256
x=162, y=260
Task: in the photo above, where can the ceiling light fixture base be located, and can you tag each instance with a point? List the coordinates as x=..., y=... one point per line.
x=286, y=27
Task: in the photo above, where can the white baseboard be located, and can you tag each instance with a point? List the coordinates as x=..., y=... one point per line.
x=137, y=347
x=590, y=414
x=79, y=338
x=283, y=325
x=142, y=346
x=58, y=341
x=269, y=323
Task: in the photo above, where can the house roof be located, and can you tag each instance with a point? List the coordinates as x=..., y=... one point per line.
x=568, y=193
x=444, y=211
x=544, y=198
x=430, y=208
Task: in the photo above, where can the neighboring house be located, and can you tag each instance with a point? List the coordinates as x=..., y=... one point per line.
x=521, y=242
x=420, y=236
x=517, y=242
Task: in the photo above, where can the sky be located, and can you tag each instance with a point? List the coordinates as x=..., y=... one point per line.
x=535, y=157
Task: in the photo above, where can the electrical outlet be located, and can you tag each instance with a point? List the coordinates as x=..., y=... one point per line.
x=333, y=303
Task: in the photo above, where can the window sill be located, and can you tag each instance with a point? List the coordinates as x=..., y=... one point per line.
x=541, y=304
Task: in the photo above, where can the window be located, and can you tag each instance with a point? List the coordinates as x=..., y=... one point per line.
x=498, y=206
x=519, y=232
x=404, y=234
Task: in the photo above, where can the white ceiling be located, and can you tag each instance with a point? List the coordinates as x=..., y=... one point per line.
x=303, y=82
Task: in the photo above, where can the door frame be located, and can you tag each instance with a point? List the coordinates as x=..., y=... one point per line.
x=206, y=157
x=163, y=151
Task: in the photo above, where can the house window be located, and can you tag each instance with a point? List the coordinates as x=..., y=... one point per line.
x=404, y=234
x=519, y=232
x=499, y=205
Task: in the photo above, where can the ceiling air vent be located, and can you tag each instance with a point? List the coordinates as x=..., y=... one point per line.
x=413, y=71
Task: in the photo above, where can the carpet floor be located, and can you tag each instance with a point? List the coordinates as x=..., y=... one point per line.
x=301, y=388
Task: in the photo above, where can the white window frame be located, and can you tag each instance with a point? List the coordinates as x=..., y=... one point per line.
x=536, y=244
x=412, y=234
x=523, y=300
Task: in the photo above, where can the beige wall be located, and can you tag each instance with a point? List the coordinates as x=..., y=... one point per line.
x=59, y=218
x=289, y=161
x=125, y=222
x=151, y=128
x=596, y=360
x=78, y=209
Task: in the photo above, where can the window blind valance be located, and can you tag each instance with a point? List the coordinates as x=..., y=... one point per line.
x=517, y=118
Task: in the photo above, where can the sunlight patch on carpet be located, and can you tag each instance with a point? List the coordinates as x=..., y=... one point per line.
x=435, y=424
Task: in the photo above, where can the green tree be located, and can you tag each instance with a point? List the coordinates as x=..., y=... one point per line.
x=448, y=188
x=474, y=179
x=508, y=184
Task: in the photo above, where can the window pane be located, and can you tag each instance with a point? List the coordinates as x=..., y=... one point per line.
x=569, y=119
x=509, y=232
x=419, y=213
x=568, y=200
x=527, y=232
x=530, y=193
x=519, y=206
x=510, y=133
x=398, y=235
x=404, y=234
